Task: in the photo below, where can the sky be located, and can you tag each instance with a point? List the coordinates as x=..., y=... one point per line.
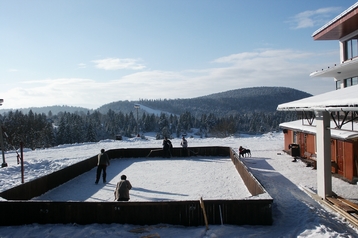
x=294, y=212
x=90, y=53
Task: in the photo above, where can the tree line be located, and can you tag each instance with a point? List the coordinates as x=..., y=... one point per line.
x=40, y=130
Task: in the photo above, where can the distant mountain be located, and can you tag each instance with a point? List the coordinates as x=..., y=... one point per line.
x=54, y=109
x=244, y=100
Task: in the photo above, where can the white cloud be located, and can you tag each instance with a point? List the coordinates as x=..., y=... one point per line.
x=116, y=63
x=82, y=65
x=13, y=70
x=313, y=18
x=264, y=67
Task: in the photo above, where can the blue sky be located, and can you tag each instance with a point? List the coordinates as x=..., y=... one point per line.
x=89, y=53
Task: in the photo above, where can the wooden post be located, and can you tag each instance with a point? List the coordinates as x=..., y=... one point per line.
x=204, y=213
x=22, y=162
x=4, y=164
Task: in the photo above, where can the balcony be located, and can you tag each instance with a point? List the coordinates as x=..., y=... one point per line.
x=347, y=69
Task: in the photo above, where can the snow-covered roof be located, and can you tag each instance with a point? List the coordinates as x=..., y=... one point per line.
x=347, y=69
x=335, y=133
x=345, y=99
x=339, y=26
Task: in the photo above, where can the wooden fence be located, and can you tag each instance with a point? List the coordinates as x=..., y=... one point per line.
x=19, y=209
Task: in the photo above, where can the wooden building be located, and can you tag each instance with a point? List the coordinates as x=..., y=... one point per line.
x=344, y=147
x=327, y=132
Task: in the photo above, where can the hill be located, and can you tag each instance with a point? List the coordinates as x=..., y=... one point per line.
x=54, y=109
x=245, y=100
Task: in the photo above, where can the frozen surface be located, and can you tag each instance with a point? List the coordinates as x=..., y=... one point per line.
x=158, y=179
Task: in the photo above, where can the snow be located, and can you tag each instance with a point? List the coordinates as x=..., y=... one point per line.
x=334, y=100
x=295, y=214
x=160, y=184
x=153, y=111
x=349, y=130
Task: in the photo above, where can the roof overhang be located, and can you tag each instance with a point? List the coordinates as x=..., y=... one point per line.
x=345, y=99
x=345, y=70
x=311, y=129
x=340, y=26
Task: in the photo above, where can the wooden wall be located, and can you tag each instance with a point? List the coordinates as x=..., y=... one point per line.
x=18, y=210
x=186, y=213
x=344, y=153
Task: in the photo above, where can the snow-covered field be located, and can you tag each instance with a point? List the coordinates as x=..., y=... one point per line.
x=295, y=214
x=159, y=179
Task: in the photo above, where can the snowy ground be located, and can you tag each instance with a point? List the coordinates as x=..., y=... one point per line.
x=158, y=179
x=295, y=214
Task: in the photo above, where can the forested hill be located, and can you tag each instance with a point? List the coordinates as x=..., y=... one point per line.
x=244, y=100
x=247, y=110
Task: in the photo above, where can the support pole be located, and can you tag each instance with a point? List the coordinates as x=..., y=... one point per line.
x=4, y=164
x=22, y=162
x=323, y=141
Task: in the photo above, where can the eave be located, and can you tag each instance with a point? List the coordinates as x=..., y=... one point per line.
x=345, y=70
x=345, y=99
x=340, y=26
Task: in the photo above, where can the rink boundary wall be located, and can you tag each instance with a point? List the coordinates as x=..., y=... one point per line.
x=253, y=211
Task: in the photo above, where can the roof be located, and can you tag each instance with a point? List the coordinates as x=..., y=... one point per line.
x=344, y=134
x=342, y=25
x=345, y=99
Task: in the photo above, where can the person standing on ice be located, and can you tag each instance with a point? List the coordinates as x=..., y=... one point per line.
x=184, y=144
x=167, y=146
x=122, y=189
x=103, y=162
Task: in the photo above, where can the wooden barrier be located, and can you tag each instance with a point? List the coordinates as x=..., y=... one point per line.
x=252, y=184
x=43, y=184
x=187, y=213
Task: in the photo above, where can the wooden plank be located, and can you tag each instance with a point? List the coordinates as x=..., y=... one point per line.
x=349, y=217
x=204, y=212
x=341, y=205
x=353, y=205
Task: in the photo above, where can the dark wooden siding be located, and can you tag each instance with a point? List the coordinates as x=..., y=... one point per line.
x=344, y=153
x=348, y=160
x=187, y=213
x=311, y=143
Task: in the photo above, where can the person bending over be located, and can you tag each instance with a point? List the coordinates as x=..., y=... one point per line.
x=122, y=189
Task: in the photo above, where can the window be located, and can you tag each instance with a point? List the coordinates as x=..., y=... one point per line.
x=355, y=81
x=349, y=82
x=351, y=48
x=338, y=84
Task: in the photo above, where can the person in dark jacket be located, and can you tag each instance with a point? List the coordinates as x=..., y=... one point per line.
x=167, y=147
x=122, y=189
x=103, y=162
x=184, y=144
